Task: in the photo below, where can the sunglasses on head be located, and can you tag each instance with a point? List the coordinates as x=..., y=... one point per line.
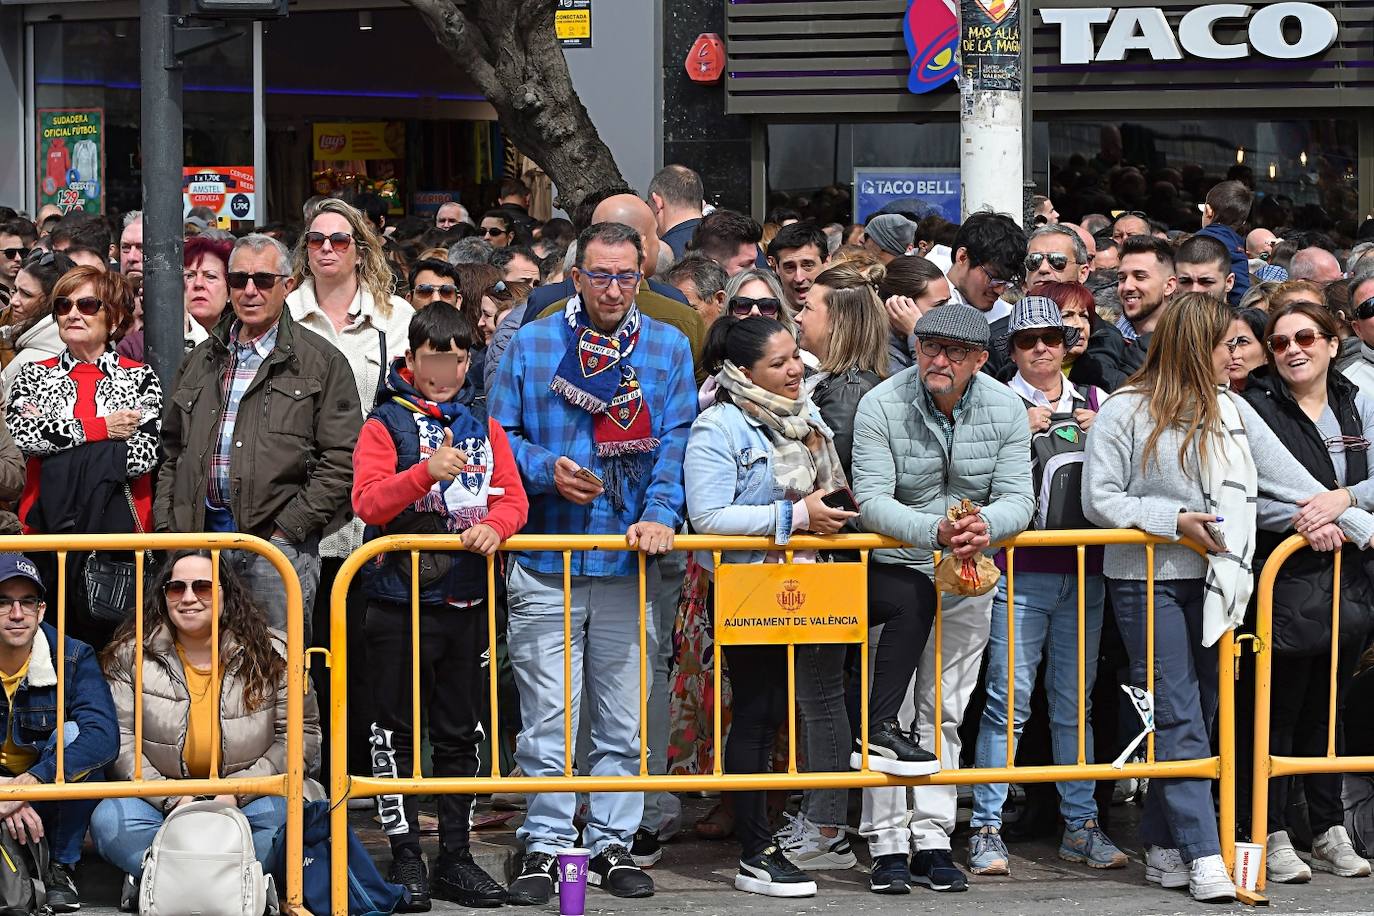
x=13, y=253
x=237, y=279
x=1027, y=340
x=1306, y=338
x=445, y=290
x=339, y=241
x=86, y=305
x=175, y=589
x=1057, y=261
x=743, y=307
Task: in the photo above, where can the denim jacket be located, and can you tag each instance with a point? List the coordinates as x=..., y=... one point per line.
x=91, y=728
x=746, y=499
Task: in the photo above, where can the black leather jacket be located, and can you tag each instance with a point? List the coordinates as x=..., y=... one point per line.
x=837, y=398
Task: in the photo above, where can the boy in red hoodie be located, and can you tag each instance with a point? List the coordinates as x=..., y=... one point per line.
x=424, y=464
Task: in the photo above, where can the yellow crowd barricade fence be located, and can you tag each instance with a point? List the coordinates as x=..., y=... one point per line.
x=758, y=604
x=288, y=785
x=1266, y=765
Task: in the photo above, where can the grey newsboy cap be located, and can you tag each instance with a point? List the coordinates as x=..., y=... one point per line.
x=962, y=323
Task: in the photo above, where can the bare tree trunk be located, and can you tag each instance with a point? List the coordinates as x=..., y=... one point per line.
x=509, y=50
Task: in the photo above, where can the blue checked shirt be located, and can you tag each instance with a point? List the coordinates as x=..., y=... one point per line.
x=542, y=426
x=244, y=362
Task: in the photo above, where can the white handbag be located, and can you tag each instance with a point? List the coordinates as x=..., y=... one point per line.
x=202, y=863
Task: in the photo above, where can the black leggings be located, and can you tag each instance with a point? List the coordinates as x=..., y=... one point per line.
x=758, y=690
x=906, y=598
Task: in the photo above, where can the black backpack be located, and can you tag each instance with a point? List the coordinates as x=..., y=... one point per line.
x=23, y=876
x=1057, y=470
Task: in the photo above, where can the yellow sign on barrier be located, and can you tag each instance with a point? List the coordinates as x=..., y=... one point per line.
x=771, y=604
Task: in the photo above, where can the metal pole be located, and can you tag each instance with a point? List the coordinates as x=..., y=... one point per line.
x=163, y=316
x=991, y=134
x=259, y=128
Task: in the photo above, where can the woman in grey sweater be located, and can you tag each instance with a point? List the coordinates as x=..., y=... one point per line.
x=1151, y=447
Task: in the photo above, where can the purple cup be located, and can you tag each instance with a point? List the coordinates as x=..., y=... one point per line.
x=572, y=881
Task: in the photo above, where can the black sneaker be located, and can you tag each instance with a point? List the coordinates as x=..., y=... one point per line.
x=890, y=875
x=408, y=870
x=614, y=871
x=62, y=896
x=128, y=895
x=534, y=885
x=772, y=874
x=891, y=750
x=646, y=850
x=935, y=869
x=458, y=878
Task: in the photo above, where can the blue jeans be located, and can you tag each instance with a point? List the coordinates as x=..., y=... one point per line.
x=1178, y=812
x=1046, y=627
x=123, y=829
x=605, y=660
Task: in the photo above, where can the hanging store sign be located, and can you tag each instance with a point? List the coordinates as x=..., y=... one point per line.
x=227, y=189
x=1283, y=31
x=931, y=29
x=71, y=159
x=339, y=141
x=875, y=188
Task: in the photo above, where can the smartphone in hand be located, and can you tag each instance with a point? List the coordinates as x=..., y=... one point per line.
x=842, y=498
x=585, y=475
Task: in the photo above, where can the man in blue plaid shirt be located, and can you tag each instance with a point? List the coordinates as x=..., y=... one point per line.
x=597, y=402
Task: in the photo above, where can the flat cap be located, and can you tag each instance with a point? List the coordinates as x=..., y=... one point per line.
x=962, y=323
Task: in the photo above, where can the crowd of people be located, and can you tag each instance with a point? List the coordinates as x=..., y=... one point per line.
x=649, y=368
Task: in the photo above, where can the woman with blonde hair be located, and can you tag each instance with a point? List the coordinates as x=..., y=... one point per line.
x=344, y=293
x=1177, y=454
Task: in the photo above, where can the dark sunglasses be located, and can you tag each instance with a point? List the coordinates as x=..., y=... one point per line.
x=743, y=306
x=1365, y=309
x=1306, y=338
x=12, y=253
x=86, y=305
x=339, y=241
x=445, y=290
x=237, y=279
x=492, y=230
x=1026, y=340
x=175, y=589
x=1057, y=261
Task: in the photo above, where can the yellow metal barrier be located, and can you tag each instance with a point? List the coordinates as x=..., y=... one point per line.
x=288, y=785
x=1267, y=765
x=345, y=786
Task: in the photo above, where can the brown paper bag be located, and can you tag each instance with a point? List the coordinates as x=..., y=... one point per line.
x=972, y=577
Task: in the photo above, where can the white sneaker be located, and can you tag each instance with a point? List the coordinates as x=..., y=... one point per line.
x=810, y=850
x=1208, y=880
x=1281, y=862
x=1332, y=852
x=1165, y=867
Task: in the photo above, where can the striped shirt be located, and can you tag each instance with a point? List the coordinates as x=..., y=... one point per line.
x=244, y=361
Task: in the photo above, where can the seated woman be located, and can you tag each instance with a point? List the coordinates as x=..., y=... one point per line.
x=178, y=706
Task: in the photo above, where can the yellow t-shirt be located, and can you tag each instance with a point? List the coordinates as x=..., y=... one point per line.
x=13, y=758
x=196, y=751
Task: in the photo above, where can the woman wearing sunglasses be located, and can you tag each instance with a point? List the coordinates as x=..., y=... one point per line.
x=31, y=325
x=758, y=292
x=1327, y=425
x=193, y=725
x=760, y=462
x=88, y=421
x=1176, y=454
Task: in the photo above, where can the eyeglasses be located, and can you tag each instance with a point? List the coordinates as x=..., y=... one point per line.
x=955, y=353
x=1365, y=309
x=600, y=280
x=445, y=290
x=1306, y=338
x=86, y=305
x=1235, y=343
x=262, y=279
x=492, y=230
x=1025, y=340
x=209, y=276
x=1337, y=444
x=12, y=254
x=28, y=605
x=1036, y=258
x=998, y=284
x=339, y=241
x=175, y=589
x=743, y=306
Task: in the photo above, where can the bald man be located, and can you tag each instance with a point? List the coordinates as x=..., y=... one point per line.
x=1259, y=244
x=1315, y=264
x=1089, y=242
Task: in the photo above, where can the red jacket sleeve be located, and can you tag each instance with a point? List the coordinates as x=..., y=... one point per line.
x=505, y=513
x=379, y=492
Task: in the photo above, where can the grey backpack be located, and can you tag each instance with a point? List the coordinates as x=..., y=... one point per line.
x=23, y=876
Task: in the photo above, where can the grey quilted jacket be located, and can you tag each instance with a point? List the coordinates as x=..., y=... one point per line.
x=905, y=479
